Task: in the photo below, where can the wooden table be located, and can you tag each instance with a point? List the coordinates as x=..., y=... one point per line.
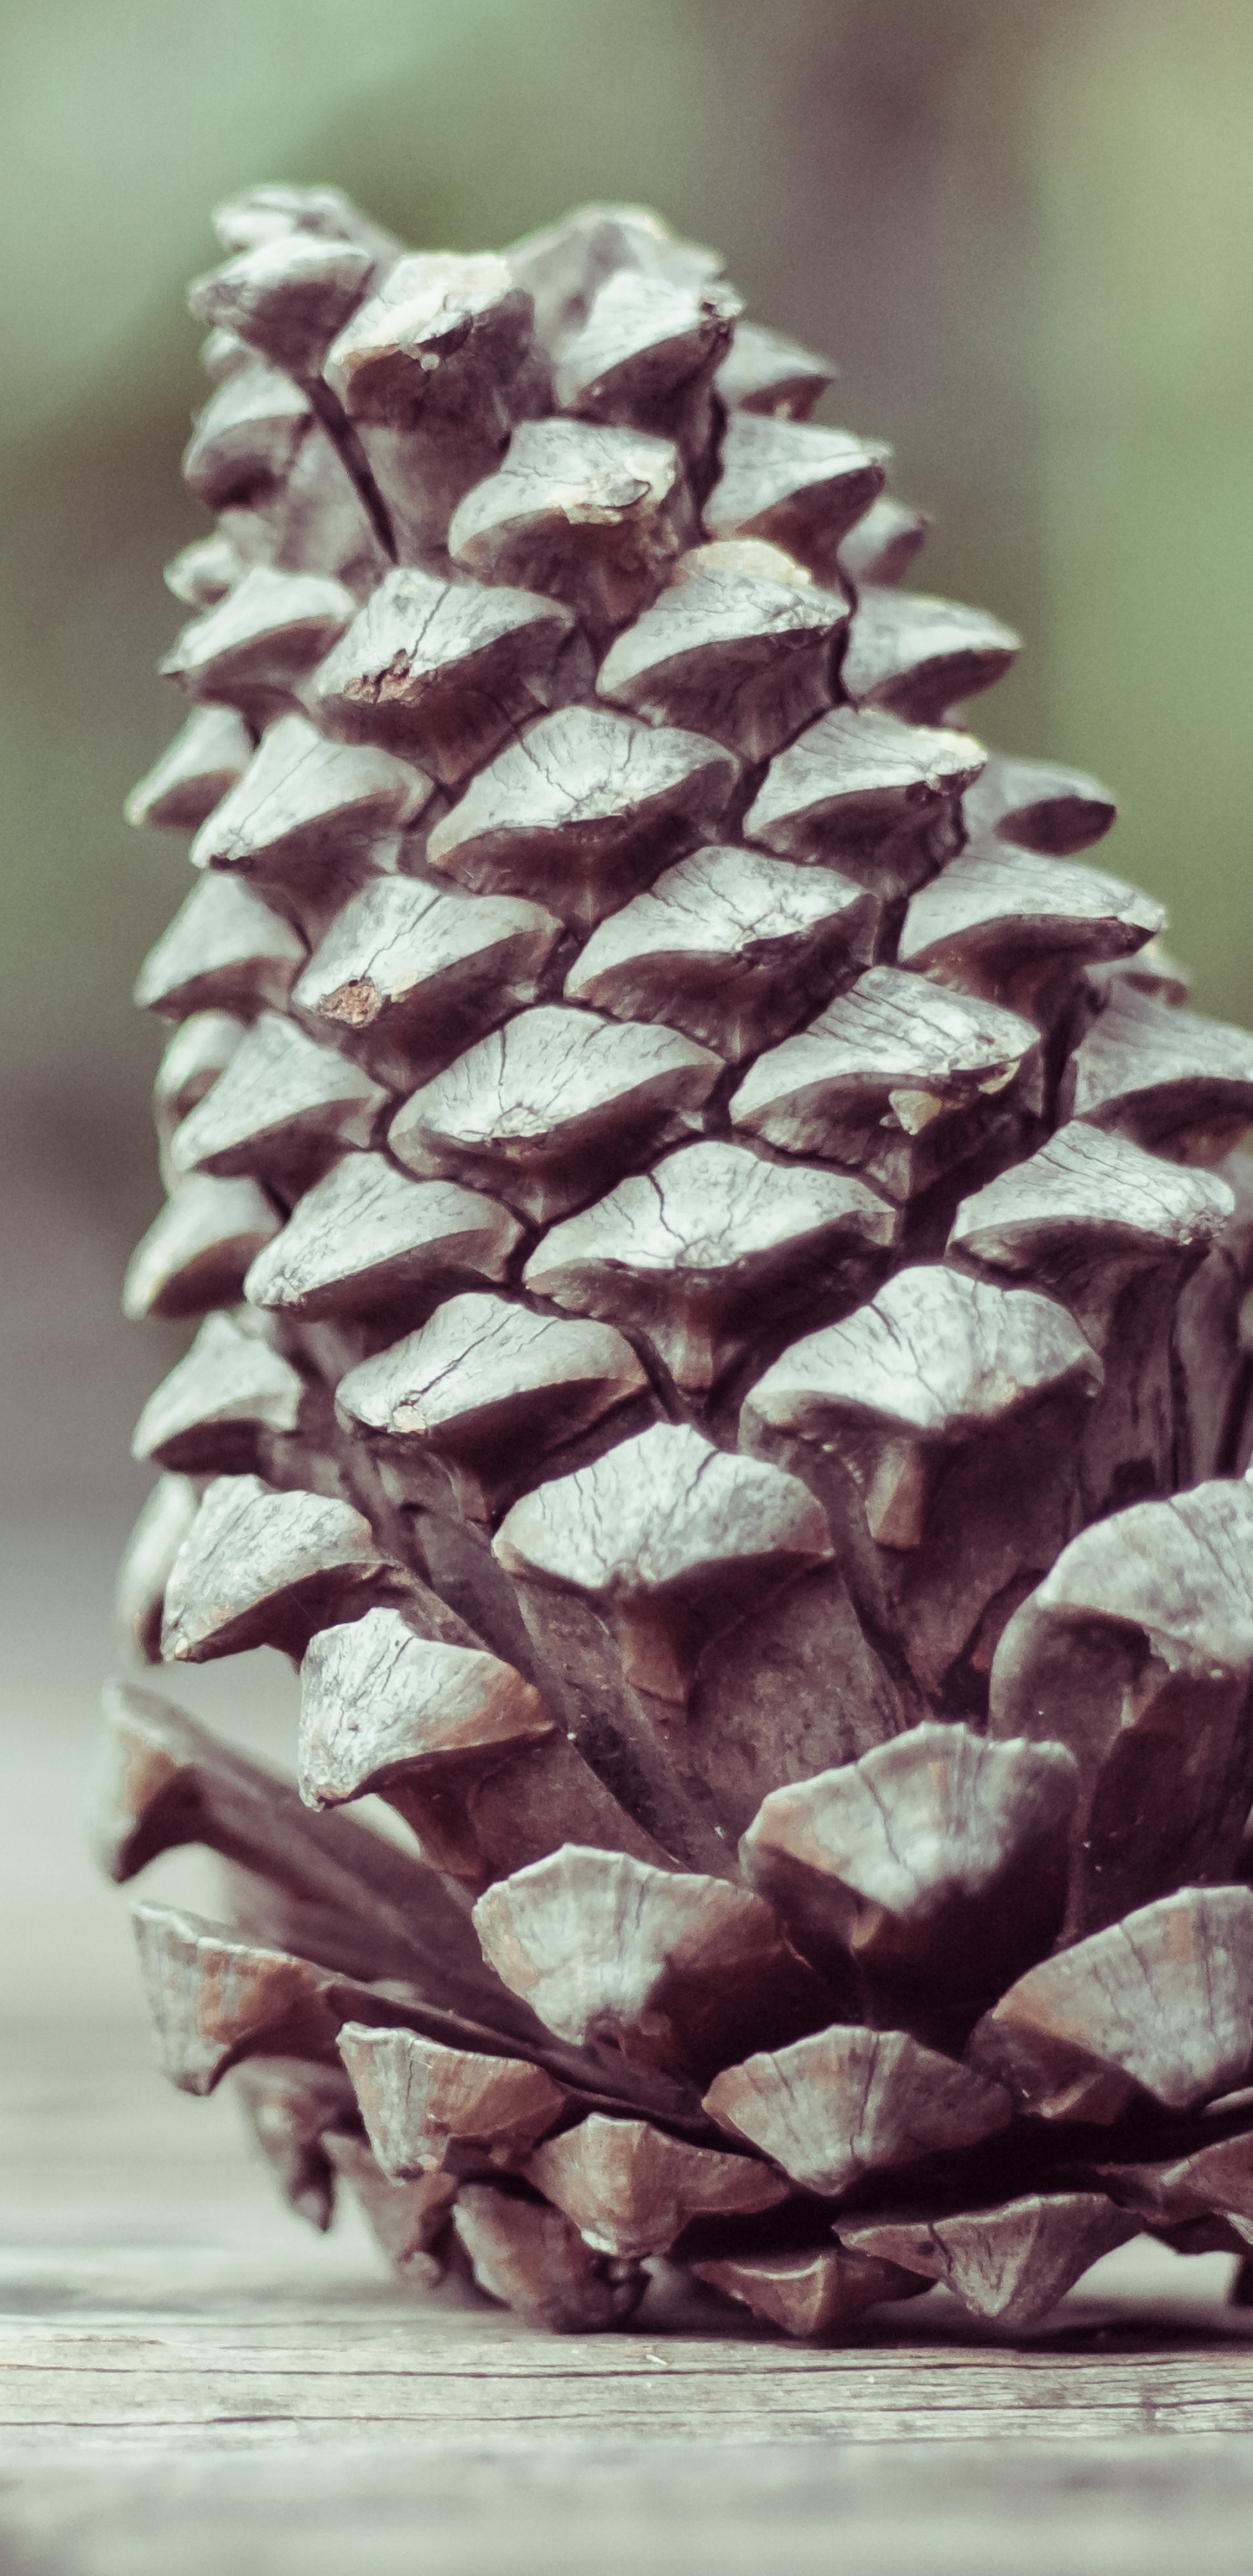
x=195, y=2385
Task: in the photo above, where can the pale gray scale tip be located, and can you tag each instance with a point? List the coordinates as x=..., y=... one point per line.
x=224, y=949
x=367, y=1234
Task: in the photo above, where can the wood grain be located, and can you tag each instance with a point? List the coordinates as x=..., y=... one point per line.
x=174, y=2346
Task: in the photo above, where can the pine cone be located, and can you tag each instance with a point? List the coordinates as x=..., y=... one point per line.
x=721, y=1256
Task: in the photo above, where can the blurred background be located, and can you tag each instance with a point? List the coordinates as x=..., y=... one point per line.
x=1025, y=230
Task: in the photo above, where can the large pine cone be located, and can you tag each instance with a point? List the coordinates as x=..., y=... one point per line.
x=722, y=1258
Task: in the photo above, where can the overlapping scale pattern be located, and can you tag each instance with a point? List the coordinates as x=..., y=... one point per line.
x=721, y=1264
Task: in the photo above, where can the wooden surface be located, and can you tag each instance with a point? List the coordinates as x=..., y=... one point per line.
x=192, y=2381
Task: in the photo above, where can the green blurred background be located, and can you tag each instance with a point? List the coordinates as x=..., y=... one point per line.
x=1024, y=228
